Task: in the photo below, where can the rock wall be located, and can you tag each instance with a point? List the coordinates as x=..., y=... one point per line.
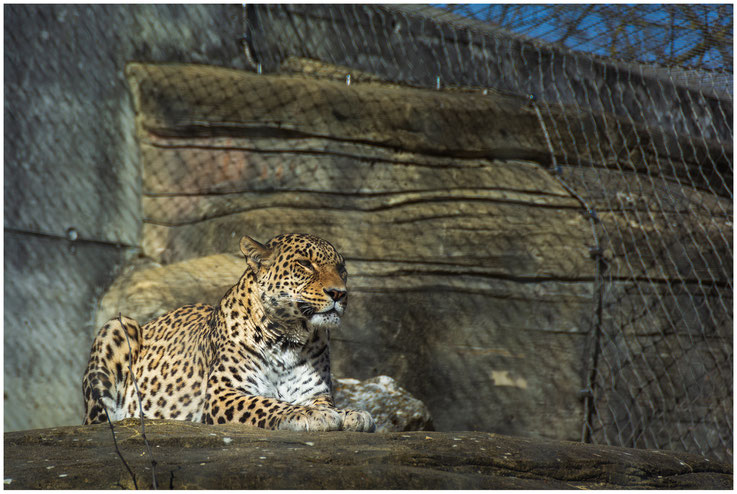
x=471, y=276
x=446, y=246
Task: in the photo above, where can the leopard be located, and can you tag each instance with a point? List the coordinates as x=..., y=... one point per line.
x=260, y=357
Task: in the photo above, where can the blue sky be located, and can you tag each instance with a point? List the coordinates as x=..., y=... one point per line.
x=659, y=33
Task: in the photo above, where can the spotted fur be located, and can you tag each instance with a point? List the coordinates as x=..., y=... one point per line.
x=261, y=357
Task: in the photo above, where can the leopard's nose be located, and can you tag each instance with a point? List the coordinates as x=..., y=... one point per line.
x=336, y=294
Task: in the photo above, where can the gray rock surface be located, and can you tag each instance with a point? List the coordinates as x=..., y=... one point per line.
x=392, y=407
x=72, y=193
x=198, y=456
x=51, y=288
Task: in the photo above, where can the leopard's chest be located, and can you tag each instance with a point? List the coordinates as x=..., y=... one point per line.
x=294, y=378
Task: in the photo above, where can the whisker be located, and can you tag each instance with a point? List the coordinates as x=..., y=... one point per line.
x=305, y=308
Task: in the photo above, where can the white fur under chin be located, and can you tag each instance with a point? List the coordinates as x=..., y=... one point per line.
x=325, y=320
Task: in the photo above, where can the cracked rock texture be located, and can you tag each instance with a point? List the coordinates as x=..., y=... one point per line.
x=199, y=456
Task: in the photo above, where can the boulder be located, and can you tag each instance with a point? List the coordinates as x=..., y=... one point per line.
x=186, y=455
x=392, y=407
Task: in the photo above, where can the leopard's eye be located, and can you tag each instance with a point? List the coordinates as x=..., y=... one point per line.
x=305, y=264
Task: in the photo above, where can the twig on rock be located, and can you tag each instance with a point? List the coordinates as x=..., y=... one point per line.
x=115, y=442
x=140, y=402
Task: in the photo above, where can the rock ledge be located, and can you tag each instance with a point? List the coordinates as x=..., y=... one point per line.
x=198, y=456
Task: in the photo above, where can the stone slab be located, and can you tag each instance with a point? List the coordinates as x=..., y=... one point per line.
x=198, y=456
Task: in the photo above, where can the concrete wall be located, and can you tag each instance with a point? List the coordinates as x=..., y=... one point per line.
x=72, y=179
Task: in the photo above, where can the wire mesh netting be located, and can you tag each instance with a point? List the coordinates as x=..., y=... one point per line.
x=536, y=216
x=661, y=356
x=694, y=36
x=647, y=150
x=660, y=374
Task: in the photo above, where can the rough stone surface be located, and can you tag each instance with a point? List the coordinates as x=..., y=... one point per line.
x=176, y=101
x=392, y=407
x=198, y=456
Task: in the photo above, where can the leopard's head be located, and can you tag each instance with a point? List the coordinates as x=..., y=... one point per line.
x=301, y=279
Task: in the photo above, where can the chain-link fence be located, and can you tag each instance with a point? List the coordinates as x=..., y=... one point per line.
x=660, y=369
x=656, y=181
x=537, y=225
x=645, y=149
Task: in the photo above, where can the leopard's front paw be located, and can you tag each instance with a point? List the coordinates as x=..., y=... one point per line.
x=313, y=419
x=358, y=420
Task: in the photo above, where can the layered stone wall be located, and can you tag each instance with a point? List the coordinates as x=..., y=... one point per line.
x=471, y=275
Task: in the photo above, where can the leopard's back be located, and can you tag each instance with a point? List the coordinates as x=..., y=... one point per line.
x=170, y=365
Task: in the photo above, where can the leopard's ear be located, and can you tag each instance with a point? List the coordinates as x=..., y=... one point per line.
x=257, y=254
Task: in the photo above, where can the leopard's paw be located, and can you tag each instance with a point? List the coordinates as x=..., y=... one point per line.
x=313, y=419
x=358, y=420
